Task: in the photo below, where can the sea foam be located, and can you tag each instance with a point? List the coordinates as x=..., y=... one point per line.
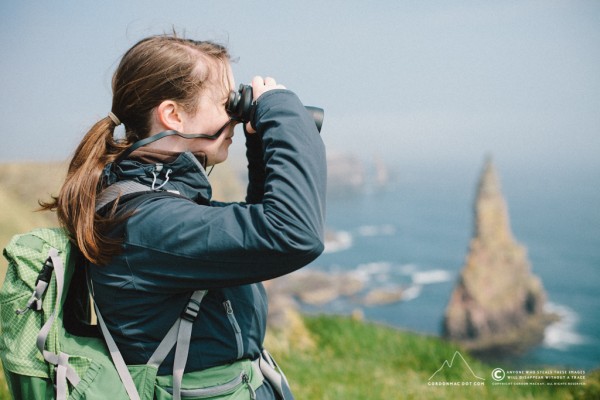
x=561, y=335
x=338, y=241
x=431, y=276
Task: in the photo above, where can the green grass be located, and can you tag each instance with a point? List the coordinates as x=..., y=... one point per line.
x=358, y=360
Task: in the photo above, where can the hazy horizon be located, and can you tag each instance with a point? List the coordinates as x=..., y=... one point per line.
x=416, y=83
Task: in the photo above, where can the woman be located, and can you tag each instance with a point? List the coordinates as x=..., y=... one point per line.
x=149, y=253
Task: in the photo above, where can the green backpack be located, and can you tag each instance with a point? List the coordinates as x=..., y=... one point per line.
x=34, y=360
x=44, y=359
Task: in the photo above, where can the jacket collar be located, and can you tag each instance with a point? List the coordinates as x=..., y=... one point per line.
x=183, y=173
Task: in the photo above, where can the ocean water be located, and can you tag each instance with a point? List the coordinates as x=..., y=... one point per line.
x=415, y=234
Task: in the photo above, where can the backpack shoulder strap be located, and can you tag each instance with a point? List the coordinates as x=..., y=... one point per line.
x=119, y=189
x=179, y=335
x=189, y=314
x=115, y=354
x=127, y=191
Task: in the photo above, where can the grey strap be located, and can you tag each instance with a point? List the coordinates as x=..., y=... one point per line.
x=115, y=354
x=184, y=335
x=64, y=371
x=275, y=376
x=170, y=339
x=179, y=334
x=61, y=376
x=117, y=358
x=165, y=346
x=117, y=190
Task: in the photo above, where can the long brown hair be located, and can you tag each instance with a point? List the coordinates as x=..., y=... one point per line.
x=155, y=69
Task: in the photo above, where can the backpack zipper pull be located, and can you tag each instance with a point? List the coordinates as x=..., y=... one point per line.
x=246, y=380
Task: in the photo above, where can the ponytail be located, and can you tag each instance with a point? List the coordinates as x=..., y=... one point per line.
x=76, y=202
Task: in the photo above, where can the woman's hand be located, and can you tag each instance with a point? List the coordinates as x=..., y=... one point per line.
x=260, y=86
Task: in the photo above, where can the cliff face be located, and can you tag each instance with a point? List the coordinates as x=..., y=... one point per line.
x=497, y=303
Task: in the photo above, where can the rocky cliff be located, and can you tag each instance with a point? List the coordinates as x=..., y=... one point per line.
x=497, y=304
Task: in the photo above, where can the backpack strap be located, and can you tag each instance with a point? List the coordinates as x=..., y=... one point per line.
x=273, y=373
x=189, y=314
x=179, y=335
x=64, y=371
x=115, y=354
x=186, y=322
x=119, y=189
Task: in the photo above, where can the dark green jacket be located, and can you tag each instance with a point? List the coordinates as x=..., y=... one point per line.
x=173, y=246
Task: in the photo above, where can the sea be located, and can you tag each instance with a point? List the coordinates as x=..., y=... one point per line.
x=413, y=233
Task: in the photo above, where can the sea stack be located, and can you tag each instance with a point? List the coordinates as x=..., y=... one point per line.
x=497, y=304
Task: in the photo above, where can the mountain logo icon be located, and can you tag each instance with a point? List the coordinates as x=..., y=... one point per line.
x=457, y=369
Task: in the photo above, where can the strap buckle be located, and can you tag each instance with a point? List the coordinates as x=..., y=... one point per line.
x=191, y=311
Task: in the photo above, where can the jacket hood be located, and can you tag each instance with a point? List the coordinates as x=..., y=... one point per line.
x=183, y=173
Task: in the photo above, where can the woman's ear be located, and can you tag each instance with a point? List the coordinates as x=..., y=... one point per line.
x=168, y=114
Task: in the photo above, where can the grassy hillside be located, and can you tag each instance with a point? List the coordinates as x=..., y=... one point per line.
x=357, y=360
x=22, y=185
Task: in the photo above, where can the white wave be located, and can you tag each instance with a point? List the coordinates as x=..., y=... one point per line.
x=432, y=276
x=374, y=270
x=376, y=267
x=376, y=230
x=561, y=335
x=360, y=276
x=411, y=293
x=338, y=241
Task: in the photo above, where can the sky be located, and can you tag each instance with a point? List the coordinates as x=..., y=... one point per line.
x=413, y=82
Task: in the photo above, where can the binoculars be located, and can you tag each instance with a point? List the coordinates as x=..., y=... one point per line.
x=241, y=107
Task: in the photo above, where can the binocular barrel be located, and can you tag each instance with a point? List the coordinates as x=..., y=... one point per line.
x=241, y=107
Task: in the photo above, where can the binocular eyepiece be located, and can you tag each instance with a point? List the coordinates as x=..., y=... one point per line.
x=241, y=107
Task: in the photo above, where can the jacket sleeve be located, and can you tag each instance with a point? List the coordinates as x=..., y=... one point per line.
x=174, y=244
